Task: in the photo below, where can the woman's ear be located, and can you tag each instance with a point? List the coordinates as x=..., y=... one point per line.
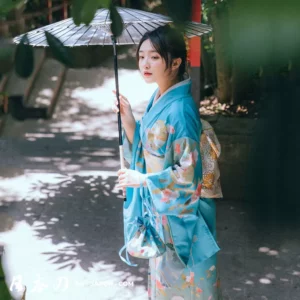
x=176, y=63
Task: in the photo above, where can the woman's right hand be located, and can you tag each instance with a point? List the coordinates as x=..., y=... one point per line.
x=125, y=107
x=127, y=116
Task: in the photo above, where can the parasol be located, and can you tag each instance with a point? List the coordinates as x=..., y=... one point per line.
x=98, y=32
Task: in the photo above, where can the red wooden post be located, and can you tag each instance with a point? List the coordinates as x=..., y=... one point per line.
x=49, y=5
x=195, y=42
x=65, y=9
x=195, y=54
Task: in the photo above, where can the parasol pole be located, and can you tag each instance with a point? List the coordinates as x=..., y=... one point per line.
x=121, y=151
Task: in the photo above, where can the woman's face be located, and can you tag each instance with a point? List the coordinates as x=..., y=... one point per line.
x=151, y=64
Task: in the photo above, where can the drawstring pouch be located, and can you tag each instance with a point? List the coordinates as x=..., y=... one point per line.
x=146, y=242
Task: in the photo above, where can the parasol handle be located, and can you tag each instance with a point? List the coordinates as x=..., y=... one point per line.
x=113, y=38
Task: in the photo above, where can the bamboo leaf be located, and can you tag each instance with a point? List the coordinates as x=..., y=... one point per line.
x=84, y=11
x=88, y=12
x=24, y=58
x=77, y=7
x=104, y=3
x=116, y=21
x=7, y=5
x=58, y=50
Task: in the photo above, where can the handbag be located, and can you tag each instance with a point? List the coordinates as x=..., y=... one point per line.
x=146, y=242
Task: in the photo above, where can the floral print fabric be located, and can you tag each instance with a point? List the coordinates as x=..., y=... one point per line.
x=166, y=146
x=210, y=150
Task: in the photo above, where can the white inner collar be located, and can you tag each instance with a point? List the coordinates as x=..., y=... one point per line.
x=157, y=96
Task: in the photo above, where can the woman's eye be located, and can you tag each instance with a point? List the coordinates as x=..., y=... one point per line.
x=141, y=57
x=155, y=57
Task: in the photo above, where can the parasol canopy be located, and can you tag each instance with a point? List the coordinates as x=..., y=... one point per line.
x=135, y=22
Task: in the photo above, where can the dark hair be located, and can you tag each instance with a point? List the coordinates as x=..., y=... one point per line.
x=169, y=43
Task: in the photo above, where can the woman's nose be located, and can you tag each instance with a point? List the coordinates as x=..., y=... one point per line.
x=146, y=63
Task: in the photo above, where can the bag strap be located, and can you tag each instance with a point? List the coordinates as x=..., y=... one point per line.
x=146, y=210
x=126, y=260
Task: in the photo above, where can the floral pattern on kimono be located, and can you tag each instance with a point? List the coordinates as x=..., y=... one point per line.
x=166, y=147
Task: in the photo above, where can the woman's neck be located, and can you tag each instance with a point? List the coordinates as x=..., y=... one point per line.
x=166, y=85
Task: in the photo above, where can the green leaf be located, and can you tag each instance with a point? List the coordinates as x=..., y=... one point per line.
x=24, y=58
x=77, y=6
x=179, y=10
x=84, y=11
x=58, y=50
x=6, y=58
x=4, y=292
x=88, y=12
x=104, y=3
x=116, y=26
x=7, y=5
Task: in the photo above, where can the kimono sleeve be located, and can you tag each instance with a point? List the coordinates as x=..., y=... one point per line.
x=176, y=189
x=128, y=147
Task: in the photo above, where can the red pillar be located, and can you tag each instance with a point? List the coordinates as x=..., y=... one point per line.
x=65, y=9
x=195, y=54
x=49, y=6
x=195, y=42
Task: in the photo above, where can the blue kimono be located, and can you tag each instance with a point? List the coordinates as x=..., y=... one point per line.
x=166, y=147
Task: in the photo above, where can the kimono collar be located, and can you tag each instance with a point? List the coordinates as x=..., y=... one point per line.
x=175, y=92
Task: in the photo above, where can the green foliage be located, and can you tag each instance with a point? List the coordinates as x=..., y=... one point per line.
x=24, y=58
x=58, y=50
x=6, y=57
x=264, y=34
x=84, y=11
x=4, y=292
x=179, y=10
x=78, y=9
x=38, y=21
x=7, y=5
x=88, y=11
x=208, y=7
x=117, y=23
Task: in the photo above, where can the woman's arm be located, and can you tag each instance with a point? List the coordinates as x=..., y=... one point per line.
x=127, y=117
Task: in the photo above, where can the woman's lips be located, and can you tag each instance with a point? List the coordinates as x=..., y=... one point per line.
x=147, y=74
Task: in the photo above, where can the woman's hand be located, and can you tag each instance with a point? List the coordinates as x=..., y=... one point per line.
x=130, y=178
x=127, y=117
x=125, y=107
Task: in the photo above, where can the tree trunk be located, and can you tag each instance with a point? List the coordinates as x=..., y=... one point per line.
x=220, y=22
x=208, y=73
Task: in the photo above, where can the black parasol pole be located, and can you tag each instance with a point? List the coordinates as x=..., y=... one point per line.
x=113, y=38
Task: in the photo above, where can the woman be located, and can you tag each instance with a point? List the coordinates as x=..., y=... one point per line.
x=165, y=167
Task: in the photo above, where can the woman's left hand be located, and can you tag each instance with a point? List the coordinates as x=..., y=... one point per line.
x=130, y=178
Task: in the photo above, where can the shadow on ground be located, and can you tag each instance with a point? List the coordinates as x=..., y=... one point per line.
x=256, y=263
x=83, y=211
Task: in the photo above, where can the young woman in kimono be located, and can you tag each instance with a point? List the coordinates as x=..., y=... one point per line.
x=166, y=169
